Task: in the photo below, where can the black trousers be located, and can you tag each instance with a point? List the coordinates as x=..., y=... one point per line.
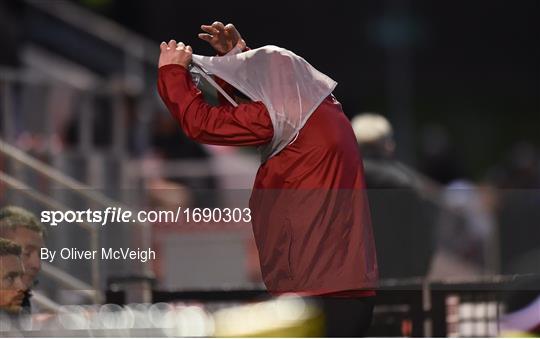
x=346, y=317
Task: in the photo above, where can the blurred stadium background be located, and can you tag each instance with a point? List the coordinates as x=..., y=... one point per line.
x=82, y=127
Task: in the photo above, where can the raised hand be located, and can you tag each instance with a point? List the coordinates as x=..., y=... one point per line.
x=175, y=53
x=221, y=38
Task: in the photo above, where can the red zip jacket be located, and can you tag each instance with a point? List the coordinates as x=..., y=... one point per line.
x=310, y=213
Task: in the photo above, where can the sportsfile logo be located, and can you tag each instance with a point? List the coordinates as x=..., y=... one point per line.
x=102, y=217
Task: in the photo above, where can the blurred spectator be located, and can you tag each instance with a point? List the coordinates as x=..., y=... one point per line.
x=518, y=181
x=11, y=272
x=402, y=216
x=23, y=228
x=465, y=232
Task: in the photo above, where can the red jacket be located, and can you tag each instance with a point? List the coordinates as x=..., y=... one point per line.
x=310, y=213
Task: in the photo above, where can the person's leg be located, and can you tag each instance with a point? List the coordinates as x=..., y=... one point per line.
x=347, y=317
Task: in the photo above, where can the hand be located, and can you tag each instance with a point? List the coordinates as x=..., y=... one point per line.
x=222, y=38
x=173, y=53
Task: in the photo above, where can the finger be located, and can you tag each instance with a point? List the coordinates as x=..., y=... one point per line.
x=180, y=45
x=172, y=44
x=189, y=49
x=218, y=25
x=230, y=28
x=205, y=37
x=163, y=46
x=232, y=32
x=209, y=29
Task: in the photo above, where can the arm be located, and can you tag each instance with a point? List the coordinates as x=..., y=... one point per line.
x=247, y=124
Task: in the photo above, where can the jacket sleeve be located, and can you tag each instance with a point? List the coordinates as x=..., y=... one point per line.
x=245, y=125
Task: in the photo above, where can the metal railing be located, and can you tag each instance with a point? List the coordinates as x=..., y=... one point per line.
x=137, y=53
x=100, y=27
